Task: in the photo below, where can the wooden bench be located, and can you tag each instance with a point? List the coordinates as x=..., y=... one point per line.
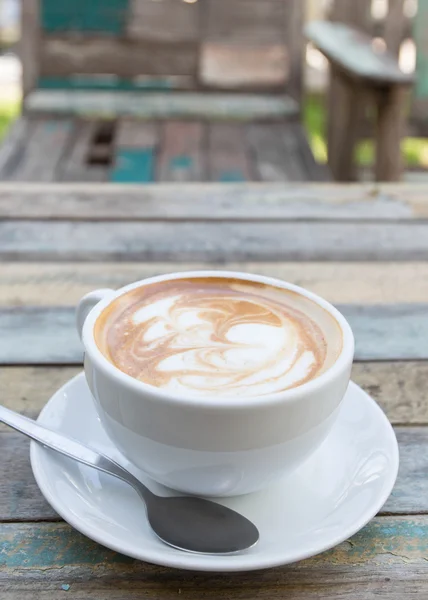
x=362, y=72
x=172, y=90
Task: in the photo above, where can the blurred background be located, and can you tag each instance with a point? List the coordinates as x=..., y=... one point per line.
x=245, y=47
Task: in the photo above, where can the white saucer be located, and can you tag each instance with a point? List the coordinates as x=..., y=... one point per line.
x=335, y=493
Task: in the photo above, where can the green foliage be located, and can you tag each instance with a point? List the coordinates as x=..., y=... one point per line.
x=8, y=112
x=415, y=149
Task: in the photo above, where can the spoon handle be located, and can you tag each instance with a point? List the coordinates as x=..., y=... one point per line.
x=67, y=446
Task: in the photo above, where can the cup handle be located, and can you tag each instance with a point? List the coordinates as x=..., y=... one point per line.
x=86, y=304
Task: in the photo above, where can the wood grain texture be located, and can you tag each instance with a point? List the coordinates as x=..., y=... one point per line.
x=181, y=156
x=244, y=21
x=65, y=56
x=215, y=242
x=228, y=154
x=346, y=110
x=13, y=146
x=63, y=284
x=44, y=150
x=167, y=21
x=21, y=500
x=294, y=20
x=131, y=133
x=246, y=66
x=276, y=153
x=387, y=560
x=217, y=106
x=321, y=201
x=47, y=335
x=352, y=52
x=29, y=45
x=399, y=387
x=389, y=133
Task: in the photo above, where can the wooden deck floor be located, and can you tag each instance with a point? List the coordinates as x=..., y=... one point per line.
x=129, y=150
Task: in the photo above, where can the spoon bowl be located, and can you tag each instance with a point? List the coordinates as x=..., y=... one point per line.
x=185, y=522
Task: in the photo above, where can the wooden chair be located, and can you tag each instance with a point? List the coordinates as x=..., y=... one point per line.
x=166, y=90
x=360, y=74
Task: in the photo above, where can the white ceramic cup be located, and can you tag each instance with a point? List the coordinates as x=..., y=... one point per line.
x=212, y=446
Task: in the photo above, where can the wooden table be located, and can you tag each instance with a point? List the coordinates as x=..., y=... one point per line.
x=364, y=248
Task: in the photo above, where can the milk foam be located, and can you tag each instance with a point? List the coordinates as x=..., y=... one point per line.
x=216, y=337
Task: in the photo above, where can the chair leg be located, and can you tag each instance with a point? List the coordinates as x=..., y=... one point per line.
x=346, y=106
x=389, y=132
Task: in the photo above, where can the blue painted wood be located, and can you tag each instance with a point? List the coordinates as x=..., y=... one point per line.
x=133, y=166
x=232, y=177
x=103, y=16
x=392, y=541
x=91, y=83
x=48, y=335
x=181, y=162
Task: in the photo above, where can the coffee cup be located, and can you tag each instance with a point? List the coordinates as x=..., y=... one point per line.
x=213, y=445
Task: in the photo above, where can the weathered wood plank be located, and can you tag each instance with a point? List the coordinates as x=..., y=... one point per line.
x=168, y=21
x=211, y=241
x=389, y=133
x=244, y=21
x=276, y=153
x=245, y=67
x=181, y=156
x=66, y=56
x=191, y=105
x=29, y=45
x=44, y=150
x=21, y=500
x=131, y=133
x=63, y=284
x=399, y=387
x=134, y=144
x=293, y=27
x=75, y=163
x=387, y=559
x=352, y=52
x=410, y=492
x=47, y=335
x=321, y=201
x=228, y=154
x=133, y=166
x=13, y=145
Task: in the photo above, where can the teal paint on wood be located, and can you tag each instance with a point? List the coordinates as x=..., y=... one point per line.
x=92, y=83
x=31, y=547
x=420, y=33
x=181, y=162
x=232, y=177
x=133, y=166
x=103, y=16
x=52, y=545
x=43, y=335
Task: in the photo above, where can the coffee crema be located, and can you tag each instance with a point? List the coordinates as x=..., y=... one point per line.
x=218, y=336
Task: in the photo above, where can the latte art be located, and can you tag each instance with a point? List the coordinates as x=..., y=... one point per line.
x=217, y=336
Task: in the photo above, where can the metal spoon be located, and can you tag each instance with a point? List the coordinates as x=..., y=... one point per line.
x=184, y=522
